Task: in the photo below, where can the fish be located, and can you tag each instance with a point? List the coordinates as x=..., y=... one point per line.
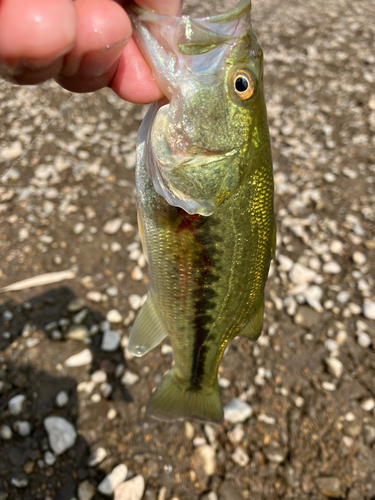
x=205, y=201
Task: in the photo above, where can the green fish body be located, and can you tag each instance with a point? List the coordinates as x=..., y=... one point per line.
x=205, y=201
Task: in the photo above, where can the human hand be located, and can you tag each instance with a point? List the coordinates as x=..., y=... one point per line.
x=83, y=44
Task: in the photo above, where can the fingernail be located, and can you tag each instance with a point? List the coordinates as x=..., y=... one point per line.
x=100, y=62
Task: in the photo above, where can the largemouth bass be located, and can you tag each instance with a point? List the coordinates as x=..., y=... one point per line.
x=205, y=201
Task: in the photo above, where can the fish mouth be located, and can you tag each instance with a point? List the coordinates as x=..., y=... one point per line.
x=197, y=181
x=169, y=42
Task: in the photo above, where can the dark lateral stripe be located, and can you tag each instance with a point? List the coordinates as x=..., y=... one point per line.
x=204, y=295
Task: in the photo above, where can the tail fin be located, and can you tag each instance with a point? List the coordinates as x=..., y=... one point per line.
x=174, y=399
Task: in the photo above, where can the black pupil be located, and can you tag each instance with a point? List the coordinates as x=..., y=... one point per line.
x=241, y=84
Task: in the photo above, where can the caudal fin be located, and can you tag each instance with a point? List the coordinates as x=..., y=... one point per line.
x=175, y=399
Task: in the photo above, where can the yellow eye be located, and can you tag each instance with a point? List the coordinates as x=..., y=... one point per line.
x=243, y=84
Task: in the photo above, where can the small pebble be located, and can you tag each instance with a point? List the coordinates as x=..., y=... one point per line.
x=99, y=377
x=22, y=427
x=328, y=386
x=236, y=435
x=86, y=490
x=369, y=309
x=240, y=457
x=189, y=430
x=96, y=457
x=5, y=432
x=111, y=341
x=81, y=359
x=237, y=411
x=112, y=414
x=129, y=378
x=368, y=404
x=331, y=267
x=359, y=258
x=335, y=367
x=130, y=490
x=77, y=332
x=94, y=296
x=112, y=226
x=114, y=316
x=62, y=399
x=61, y=434
x=135, y=301
x=15, y=404
x=364, y=339
x=49, y=458
x=113, y=479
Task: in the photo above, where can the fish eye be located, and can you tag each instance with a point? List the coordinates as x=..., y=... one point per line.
x=243, y=84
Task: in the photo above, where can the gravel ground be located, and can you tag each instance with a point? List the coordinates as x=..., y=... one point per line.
x=299, y=417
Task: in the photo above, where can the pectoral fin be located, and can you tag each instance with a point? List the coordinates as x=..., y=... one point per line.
x=148, y=330
x=253, y=328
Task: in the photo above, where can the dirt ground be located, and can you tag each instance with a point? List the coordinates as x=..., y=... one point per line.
x=69, y=204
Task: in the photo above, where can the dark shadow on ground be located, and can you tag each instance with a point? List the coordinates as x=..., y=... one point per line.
x=33, y=370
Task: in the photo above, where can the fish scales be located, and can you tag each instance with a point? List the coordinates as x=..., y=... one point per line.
x=205, y=202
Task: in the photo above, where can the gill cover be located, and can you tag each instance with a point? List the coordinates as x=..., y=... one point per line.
x=194, y=139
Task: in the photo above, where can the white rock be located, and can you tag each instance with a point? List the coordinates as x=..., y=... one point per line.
x=285, y=263
x=113, y=479
x=331, y=345
x=61, y=434
x=369, y=309
x=337, y=247
x=240, y=457
x=300, y=274
x=224, y=383
x=114, y=316
x=328, y=386
x=129, y=378
x=343, y=297
x=49, y=458
x=135, y=301
x=78, y=228
x=96, y=457
x=331, y=267
x=313, y=295
x=94, y=296
x=166, y=349
x=237, y=411
x=364, y=339
x=368, y=404
x=62, y=399
x=12, y=151
x=112, y=226
x=359, y=258
x=335, y=367
x=99, y=377
x=81, y=359
x=15, y=404
x=236, y=435
x=22, y=427
x=131, y=490
x=5, y=432
x=86, y=490
x=111, y=341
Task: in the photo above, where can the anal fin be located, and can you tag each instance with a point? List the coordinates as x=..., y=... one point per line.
x=253, y=328
x=148, y=330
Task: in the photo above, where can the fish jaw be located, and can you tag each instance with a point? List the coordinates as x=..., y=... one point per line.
x=196, y=183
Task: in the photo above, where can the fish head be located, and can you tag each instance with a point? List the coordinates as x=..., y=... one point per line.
x=201, y=135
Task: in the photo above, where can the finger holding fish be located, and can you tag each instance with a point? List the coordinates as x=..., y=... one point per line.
x=82, y=44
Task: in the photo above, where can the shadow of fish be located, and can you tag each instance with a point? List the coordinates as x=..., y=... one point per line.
x=205, y=201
